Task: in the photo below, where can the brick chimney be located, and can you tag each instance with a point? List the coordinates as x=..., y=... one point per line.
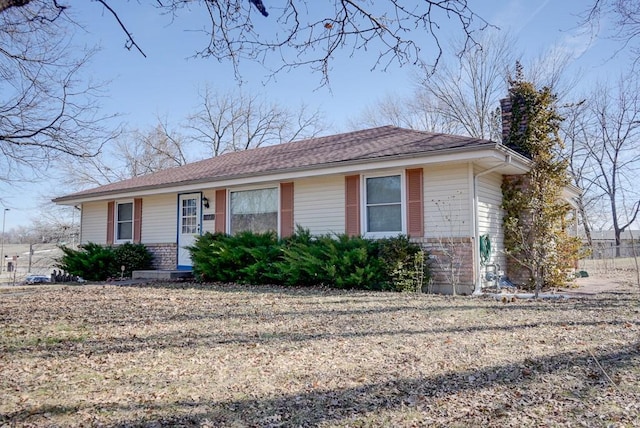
x=506, y=105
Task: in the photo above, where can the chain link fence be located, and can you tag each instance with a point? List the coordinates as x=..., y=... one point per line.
x=608, y=250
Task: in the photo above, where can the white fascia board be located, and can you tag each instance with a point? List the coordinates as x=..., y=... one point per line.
x=350, y=167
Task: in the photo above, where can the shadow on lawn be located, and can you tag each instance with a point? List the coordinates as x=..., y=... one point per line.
x=179, y=339
x=314, y=407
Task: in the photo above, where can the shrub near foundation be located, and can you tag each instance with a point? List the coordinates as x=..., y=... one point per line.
x=95, y=262
x=338, y=261
x=244, y=258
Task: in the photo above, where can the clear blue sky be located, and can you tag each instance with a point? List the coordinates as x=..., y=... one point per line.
x=167, y=81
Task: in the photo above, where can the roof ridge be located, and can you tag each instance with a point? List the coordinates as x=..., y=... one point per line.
x=365, y=145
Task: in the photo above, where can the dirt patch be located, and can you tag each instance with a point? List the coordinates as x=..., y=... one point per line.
x=597, y=285
x=178, y=355
x=610, y=276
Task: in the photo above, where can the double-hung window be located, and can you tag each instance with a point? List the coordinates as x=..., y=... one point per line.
x=124, y=222
x=254, y=210
x=383, y=205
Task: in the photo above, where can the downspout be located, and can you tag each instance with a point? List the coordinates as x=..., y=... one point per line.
x=79, y=208
x=476, y=226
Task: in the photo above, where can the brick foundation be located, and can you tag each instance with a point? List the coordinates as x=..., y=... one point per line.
x=165, y=256
x=516, y=273
x=440, y=252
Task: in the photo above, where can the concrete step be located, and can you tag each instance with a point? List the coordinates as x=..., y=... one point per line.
x=169, y=275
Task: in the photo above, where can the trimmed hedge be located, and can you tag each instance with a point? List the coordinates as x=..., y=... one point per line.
x=338, y=261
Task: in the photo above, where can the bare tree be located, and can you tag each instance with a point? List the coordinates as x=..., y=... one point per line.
x=460, y=97
x=310, y=33
x=134, y=153
x=614, y=151
x=577, y=132
x=45, y=111
x=413, y=112
x=626, y=22
x=155, y=150
x=233, y=120
x=467, y=92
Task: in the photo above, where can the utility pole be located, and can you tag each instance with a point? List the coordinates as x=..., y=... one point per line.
x=4, y=217
x=30, y=257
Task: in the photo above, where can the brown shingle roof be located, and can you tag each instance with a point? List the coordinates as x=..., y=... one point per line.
x=369, y=144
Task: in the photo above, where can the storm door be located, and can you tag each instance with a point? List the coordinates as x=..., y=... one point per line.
x=189, y=225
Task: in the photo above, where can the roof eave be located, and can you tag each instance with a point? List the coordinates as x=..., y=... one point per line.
x=480, y=151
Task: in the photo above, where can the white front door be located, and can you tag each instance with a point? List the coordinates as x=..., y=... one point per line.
x=189, y=225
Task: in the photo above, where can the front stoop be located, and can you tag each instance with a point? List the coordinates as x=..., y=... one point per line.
x=167, y=275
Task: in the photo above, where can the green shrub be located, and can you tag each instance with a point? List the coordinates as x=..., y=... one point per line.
x=201, y=256
x=334, y=260
x=302, y=262
x=405, y=263
x=260, y=252
x=353, y=262
x=95, y=262
x=246, y=257
x=132, y=257
x=92, y=262
x=337, y=261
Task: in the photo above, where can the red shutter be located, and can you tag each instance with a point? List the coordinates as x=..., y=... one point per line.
x=286, y=209
x=221, y=211
x=415, y=206
x=352, y=205
x=111, y=208
x=137, y=220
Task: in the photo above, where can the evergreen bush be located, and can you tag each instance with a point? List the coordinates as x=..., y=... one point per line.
x=92, y=262
x=246, y=257
x=337, y=261
x=95, y=262
x=405, y=263
x=132, y=257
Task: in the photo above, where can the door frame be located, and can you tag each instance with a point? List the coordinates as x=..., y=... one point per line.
x=198, y=195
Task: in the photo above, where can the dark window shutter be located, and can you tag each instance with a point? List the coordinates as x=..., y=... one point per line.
x=137, y=220
x=286, y=209
x=352, y=205
x=221, y=211
x=415, y=206
x=111, y=211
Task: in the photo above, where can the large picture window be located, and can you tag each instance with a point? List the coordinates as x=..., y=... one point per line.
x=124, y=221
x=254, y=210
x=383, y=204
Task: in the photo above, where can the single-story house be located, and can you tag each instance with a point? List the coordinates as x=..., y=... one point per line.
x=443, y=191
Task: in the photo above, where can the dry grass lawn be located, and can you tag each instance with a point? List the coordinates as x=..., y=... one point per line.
x=269, y=357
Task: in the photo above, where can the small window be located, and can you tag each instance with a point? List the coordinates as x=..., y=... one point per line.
x=189, y=213
x=254, y=210
x=383, y=204
x=124, y=222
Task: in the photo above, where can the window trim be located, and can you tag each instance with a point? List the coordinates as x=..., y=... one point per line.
x=116, y=222
x=363, y=205
x=275, y=186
